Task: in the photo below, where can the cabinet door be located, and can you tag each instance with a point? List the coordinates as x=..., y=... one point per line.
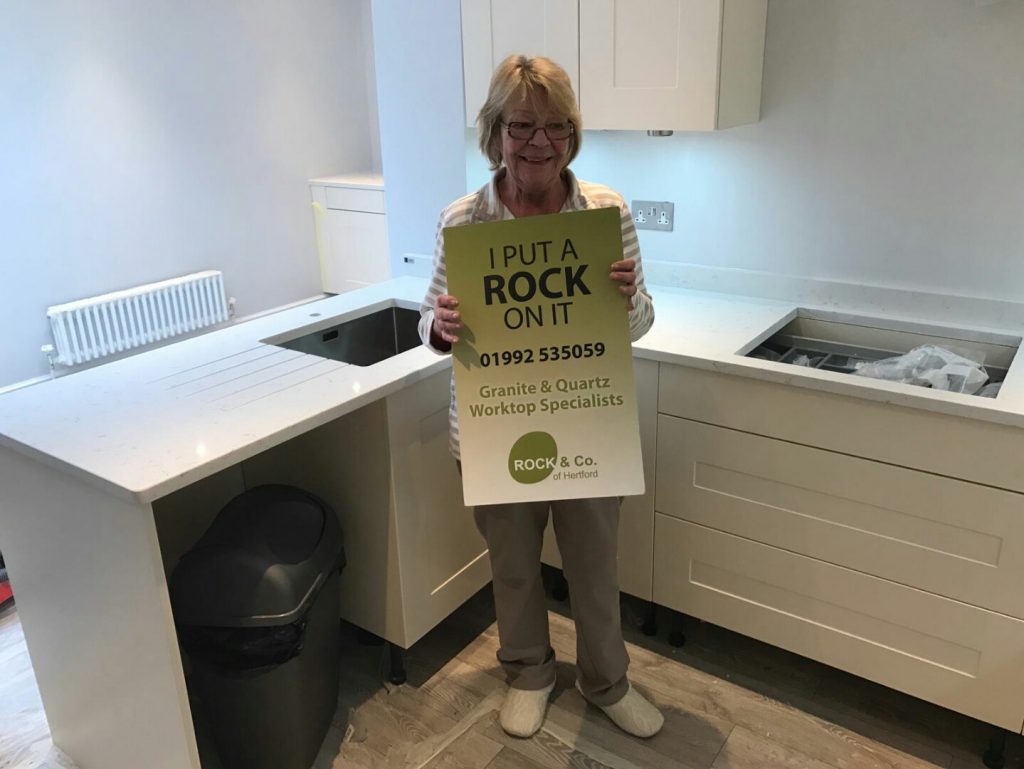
x=443, y=559
x=671, y=64
x=357, y=251
x=649, y=64
x=493, y=29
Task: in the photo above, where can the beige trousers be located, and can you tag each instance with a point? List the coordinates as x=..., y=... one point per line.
x=587, y=535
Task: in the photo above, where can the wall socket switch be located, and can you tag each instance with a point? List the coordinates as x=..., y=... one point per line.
x=653, y=214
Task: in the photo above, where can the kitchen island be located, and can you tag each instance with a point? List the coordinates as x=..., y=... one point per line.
x=102, y=474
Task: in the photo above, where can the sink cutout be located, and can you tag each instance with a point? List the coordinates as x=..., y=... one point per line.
x=360, y=341
x=839, y=342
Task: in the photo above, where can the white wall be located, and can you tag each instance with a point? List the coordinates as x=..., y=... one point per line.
x=418, y=50
x=890, y=151
x=139, y=141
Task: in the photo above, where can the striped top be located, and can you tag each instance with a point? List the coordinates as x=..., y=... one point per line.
x=484, y=205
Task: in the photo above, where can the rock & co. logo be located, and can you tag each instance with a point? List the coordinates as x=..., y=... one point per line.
x=533, y=457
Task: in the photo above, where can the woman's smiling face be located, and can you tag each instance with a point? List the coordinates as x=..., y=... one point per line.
x=534, y=165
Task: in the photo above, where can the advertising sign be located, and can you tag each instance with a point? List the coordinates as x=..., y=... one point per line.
x=543, y=367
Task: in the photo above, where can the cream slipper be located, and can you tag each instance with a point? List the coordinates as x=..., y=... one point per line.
x=633, y=714
x=522, y=713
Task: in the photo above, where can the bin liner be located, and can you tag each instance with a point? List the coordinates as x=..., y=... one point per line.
x=244, y=648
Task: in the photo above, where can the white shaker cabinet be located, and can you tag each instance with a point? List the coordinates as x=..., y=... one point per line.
x=494, y=29
x=684, y=65
x=352, y=235
x=882, y=540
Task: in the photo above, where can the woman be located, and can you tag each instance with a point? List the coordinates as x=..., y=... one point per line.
x=530, y=130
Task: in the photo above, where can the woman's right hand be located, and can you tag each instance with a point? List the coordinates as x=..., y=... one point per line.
x=447, y=319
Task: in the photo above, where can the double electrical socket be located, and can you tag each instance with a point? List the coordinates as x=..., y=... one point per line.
x=653, y=214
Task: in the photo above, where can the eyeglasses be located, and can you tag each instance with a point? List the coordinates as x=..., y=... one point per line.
x=554, y=131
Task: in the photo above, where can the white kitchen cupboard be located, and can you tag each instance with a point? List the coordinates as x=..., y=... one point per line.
x=413, y=553
x=494, y=29
x=351, y=227
x=882, y=540
x=926, y=645
x=685, y=65
x=636, y=522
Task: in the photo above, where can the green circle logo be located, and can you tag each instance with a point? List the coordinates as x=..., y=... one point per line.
x=532, y=458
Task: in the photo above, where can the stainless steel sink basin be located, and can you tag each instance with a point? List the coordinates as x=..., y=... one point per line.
x=362, y=341
x=841, y=343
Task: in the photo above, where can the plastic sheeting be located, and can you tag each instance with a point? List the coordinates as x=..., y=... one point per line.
x=929, y=366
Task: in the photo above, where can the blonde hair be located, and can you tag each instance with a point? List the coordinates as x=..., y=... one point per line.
x=526, y=78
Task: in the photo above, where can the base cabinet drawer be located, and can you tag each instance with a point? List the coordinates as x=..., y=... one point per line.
x=946, y=536
x=957, y=447
x=961, y=657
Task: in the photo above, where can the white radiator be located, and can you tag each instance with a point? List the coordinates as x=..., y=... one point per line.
x=103, y=325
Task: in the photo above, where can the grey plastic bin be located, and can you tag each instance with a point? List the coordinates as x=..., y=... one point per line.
x=256, y=605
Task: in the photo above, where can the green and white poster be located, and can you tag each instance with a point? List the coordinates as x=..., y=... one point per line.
x=543, y=367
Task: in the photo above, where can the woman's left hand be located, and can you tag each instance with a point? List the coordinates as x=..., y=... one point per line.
x=625, y=273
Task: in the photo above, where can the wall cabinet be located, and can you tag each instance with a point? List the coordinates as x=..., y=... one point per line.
x=881, y=540
x=685, y=65
x=493, y=29
x=351, y=226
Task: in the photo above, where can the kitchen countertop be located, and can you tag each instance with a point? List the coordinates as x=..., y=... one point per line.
x=706, y=330
x=150, y=424
x=366, y=181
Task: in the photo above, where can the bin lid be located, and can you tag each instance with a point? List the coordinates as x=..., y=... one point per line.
x=260, y=563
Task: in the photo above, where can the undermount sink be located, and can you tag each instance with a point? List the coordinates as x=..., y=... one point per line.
x=843, y=343
x=361, y=341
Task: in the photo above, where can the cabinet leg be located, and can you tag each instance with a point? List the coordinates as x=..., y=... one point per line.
x=559, y=587
x=676, y=636
x=396, y=668
x=650, y=626
x=995, y=757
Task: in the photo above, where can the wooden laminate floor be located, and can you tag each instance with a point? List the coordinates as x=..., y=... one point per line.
x=729, y=702
x=24, y=735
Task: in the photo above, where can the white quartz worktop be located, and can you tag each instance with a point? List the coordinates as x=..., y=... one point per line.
x=150, y=424
x=363, y=181
x=155, y=422
x=707, y=330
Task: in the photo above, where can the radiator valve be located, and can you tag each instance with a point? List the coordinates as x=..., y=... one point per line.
x=48, y=351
